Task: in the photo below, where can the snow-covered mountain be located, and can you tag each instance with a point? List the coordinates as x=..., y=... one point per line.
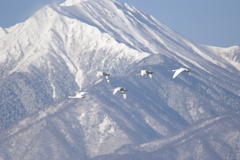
x=60, y=49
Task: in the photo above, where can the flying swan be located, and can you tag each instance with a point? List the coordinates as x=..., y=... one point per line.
x=145, y=72
x=79, y=95
x=123, y=90
x=105, y=75
x=180, y=70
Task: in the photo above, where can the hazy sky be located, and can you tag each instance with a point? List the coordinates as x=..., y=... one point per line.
x=210, y=22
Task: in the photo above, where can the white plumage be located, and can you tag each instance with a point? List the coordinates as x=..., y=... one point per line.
x=123, y=90
x=105, y=75
x=145, y=72
x=180, y=70
x=79, y=95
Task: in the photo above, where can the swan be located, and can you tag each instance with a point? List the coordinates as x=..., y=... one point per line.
x=79, y=95
x=123, y=90
x=145, y=72
x=180, y=70
x=105, y=75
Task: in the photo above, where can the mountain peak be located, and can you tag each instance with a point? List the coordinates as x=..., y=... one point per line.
x=72, y=2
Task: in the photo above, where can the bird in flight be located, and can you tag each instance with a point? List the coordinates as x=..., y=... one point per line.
x=180, y=70
x=79, y=94
x=145, y=72
x=105, y=75
x=123, y=90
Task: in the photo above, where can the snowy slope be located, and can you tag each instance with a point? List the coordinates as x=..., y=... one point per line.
x=231, y=54
x=61, y=48
x=212, y=139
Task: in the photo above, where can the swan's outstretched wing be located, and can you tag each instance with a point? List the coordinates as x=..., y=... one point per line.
x=124, y=95
x=177, y=72
x=150, y=75
x=143, y=72
x=115, y=90
x=107, y=78
x=99, y=74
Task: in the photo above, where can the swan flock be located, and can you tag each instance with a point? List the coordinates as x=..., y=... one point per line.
x=81, y=95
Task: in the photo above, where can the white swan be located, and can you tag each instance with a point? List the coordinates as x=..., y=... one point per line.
x=123, y=90
x=180, y=70
x=79, y=95
x=105, y=75
x=145, y=72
